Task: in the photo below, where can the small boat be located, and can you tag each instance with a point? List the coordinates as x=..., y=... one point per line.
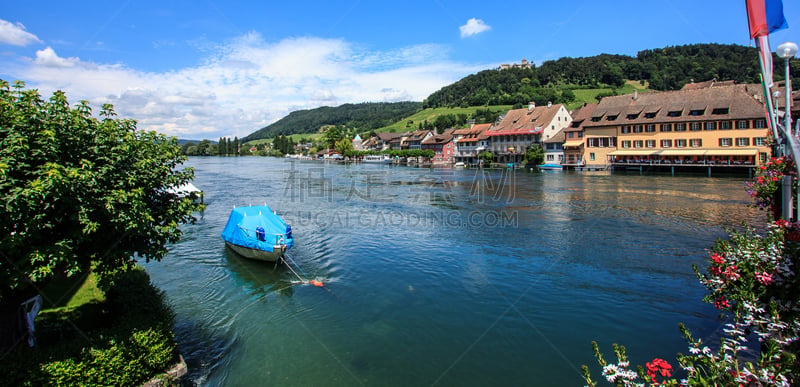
x=256, y=232
x=460, y=164
x=550, y=167
x=383, y=159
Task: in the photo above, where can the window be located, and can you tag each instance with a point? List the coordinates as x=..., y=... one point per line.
x=674, y=113
x=742, y=124
x=760, y=141
x=632, y=116
x=595, y=119
x=725, y=142
x=637, y=128
x=580, y=134
x=649, y=115
x=696, y=143
x=626, y=144
x=571, y=134
x=762, y=157
x=697, y=112
x=680, y=127
x=760, y=124
x=612, y=118
x=666, y=143
x=650, y=143
x=550, y=158
x=743, y=141
x=711, y=126
x=695, y=126
x=725, y=125
x=720, y=111
x=626, y=128
x=591, y=156
x=666, y=127
x=637, y=144
x=591, y=142
x=650, y=128
x=680, y=143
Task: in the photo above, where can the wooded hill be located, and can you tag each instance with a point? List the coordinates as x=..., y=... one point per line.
x=556, y=81
x=364, y=116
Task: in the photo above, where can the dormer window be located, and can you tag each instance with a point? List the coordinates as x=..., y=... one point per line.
x=611, y=118
x=632, y=116
x=674, y=113
x=720, y=111
x=697, y=112
x=649, y=115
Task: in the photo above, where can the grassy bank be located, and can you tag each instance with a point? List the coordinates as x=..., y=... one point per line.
x=111, y=331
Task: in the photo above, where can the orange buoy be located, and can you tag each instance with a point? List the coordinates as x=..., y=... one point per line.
x=316, y=283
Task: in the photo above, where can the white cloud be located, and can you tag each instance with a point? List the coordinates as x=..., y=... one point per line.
x=15, y=34
x=473, y=27
x=49, y=58
x=247, y=83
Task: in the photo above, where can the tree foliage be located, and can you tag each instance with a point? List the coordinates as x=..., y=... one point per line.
x=80, y=192
x=666, y=69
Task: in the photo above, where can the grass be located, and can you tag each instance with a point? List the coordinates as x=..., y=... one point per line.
x=412, y=122
x=71, y=293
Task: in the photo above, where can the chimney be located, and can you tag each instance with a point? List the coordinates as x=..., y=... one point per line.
x=635, y=94
x=549, y=104
x=531, y=105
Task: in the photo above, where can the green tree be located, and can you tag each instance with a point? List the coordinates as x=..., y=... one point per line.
x=486, y=157
x=343, y=145
x=332, y=135
x=79, y=193
x=534, y=155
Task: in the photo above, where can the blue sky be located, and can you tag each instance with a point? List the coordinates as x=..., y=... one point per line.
x=205, y=69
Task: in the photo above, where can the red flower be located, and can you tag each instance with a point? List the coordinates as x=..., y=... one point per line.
x=764, y=277
x=721, y=303
x=658, y=366
x=718, y=259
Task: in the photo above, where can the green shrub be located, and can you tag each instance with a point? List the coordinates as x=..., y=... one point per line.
x=132, y=342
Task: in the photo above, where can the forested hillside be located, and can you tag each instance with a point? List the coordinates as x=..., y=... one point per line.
x=665, y=69
x=364, y=116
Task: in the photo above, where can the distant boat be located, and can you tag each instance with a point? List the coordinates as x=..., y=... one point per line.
x=383, y=159
x=460, y=164
x=256, y=232
x=550, y=167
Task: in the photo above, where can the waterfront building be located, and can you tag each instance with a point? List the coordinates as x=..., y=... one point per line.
x=415, y=139
x=442, y=146
x=573, y=141
x=702, y=125
x=553, y=148
x=357, y=143
x=519, y=128
x=468, y=143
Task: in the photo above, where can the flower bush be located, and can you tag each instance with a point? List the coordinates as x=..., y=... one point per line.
x=753, y=280
x=764, y=187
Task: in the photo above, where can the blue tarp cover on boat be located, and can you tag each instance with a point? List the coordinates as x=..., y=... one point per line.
x=243, y=228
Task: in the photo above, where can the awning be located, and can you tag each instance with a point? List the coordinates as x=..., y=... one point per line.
x=574, y=143
x=682, y=152
x=633, y=152
x=731, y=152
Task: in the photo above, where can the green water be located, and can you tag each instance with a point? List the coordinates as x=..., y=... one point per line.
x=443, y=277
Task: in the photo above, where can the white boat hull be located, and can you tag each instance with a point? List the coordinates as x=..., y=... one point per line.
x=260, y=255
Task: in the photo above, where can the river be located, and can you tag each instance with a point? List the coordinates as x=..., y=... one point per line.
x=443, y=276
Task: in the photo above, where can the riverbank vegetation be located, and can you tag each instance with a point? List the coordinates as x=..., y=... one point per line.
x=122, y=338
x=84, y=195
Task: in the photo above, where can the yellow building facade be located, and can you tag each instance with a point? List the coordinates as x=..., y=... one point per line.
x=705, y=125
